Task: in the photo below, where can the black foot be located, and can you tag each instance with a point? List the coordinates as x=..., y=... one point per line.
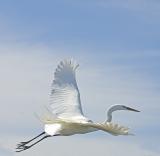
x=21, y=144
x=22, y=148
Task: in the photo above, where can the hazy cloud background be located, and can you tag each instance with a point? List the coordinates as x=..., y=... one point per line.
x=117, y=47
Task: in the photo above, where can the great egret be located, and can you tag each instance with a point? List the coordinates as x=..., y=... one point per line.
x=67, y=117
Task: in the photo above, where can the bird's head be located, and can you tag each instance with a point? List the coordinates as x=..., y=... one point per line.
x=129, y=108
x=117, y=107
x=123, y=107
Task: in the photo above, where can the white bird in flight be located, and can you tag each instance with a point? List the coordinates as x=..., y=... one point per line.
x=67, y=116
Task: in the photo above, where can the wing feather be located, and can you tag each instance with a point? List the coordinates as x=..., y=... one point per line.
x=111, y=128
x=65, y=97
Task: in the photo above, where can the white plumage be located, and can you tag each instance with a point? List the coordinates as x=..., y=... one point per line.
x=67, y=116
x=65, y=97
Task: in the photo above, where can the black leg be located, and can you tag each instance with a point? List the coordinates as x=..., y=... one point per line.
x=26, y=142
x=23, y=147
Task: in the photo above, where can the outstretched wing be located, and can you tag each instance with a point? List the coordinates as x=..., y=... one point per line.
x=109, y=127
x=65, y=97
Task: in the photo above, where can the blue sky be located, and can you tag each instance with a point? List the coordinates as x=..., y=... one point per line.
x=117, y=47
x=85, y=23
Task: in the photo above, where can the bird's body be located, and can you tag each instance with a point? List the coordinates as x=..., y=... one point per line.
x=68, y=127
x=65, y=105
x=65, y=128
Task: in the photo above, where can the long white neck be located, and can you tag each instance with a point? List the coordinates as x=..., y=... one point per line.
x=109, y=115
x=110, y=111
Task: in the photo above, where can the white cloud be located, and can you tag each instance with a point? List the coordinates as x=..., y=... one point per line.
x=26, y=74
x=82, y=146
